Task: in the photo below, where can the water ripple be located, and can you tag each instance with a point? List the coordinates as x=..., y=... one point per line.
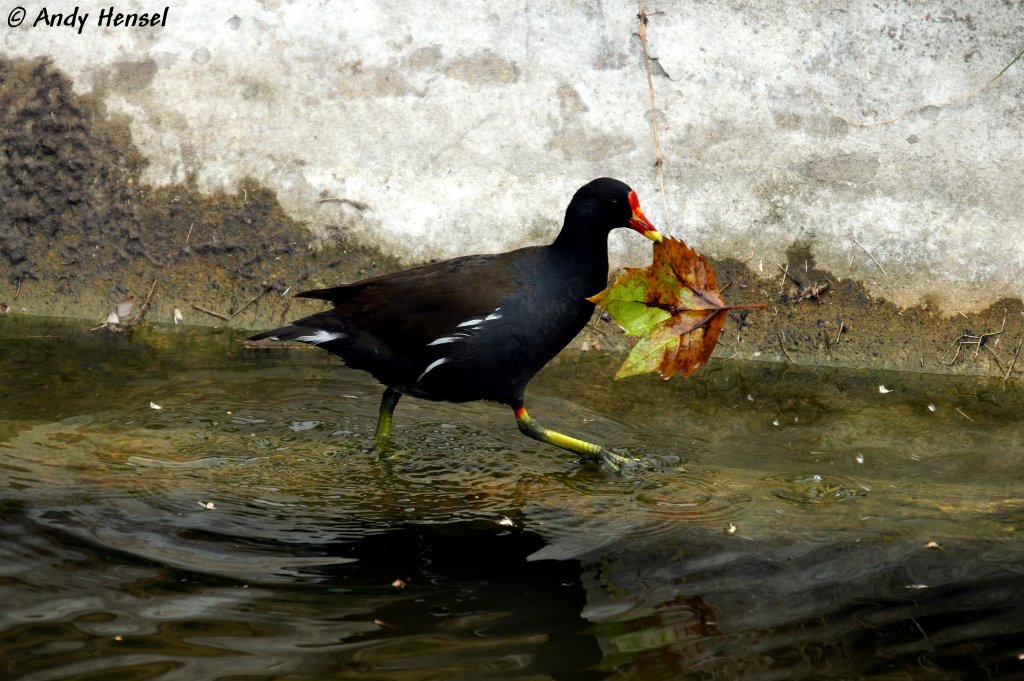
x=245, y=526
x=817, y=489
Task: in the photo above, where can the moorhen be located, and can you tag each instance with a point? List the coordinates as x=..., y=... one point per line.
x=477, y=327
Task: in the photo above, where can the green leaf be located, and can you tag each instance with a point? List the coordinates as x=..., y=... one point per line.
x=673, y=307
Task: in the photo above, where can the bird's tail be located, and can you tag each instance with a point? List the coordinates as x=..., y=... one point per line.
x=299, y=332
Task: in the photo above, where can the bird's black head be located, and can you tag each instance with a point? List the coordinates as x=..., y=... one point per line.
x=604, y=204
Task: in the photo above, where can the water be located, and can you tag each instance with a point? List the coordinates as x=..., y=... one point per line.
x=789, y=523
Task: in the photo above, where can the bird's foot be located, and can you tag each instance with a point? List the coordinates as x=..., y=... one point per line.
x=620, y=463
x=384, y=451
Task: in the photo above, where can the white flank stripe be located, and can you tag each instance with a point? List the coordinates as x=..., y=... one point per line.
x=443, y=340
x=476, y=322
x=320, y=336
x=433, y=365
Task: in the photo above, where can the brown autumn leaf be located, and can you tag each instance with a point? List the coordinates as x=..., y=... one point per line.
x=674, y=309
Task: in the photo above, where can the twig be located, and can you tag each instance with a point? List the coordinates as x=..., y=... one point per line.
x=659, y=158
x=872, y=257
x=1016, y=354
x=921, y=107
x=211, y=312
x=149, y=297
x=189, y=235
x=961, y=411
x=842, y=327
x=811, y=291
x=957, y=344
x=18, y=291
x=260, y=295
x=919, y=628
x=972, y=339
x=994, y=355
x=597, y=328
x=358, y=205
x=142, y=310
x=782, y=344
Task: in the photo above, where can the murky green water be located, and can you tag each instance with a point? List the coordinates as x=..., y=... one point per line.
x=792, y=523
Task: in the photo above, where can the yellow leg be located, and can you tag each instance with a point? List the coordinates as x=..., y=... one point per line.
x=528, y=426
x=382, y=438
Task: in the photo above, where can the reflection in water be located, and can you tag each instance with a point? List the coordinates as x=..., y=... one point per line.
x=790, y=523
x=453, y=618
x=792, y=611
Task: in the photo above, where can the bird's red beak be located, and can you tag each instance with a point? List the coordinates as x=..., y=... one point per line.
x=639, y=221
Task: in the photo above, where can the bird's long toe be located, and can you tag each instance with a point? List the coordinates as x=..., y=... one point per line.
x=618, y=462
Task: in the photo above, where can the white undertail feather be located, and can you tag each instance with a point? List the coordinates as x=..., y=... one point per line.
x=319, y=336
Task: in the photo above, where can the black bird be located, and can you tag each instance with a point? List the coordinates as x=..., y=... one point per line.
x=477, y=327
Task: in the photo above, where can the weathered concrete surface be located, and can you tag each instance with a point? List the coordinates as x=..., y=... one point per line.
x=242, y=150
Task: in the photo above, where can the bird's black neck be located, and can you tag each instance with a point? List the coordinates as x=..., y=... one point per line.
x=580, y=232
x=583, y=247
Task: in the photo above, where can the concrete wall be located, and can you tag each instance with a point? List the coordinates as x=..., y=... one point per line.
x=431, y=131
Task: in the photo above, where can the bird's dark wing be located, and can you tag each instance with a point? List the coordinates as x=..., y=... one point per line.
x=414, y=307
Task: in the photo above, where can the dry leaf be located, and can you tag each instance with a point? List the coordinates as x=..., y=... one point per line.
x=673, y=307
